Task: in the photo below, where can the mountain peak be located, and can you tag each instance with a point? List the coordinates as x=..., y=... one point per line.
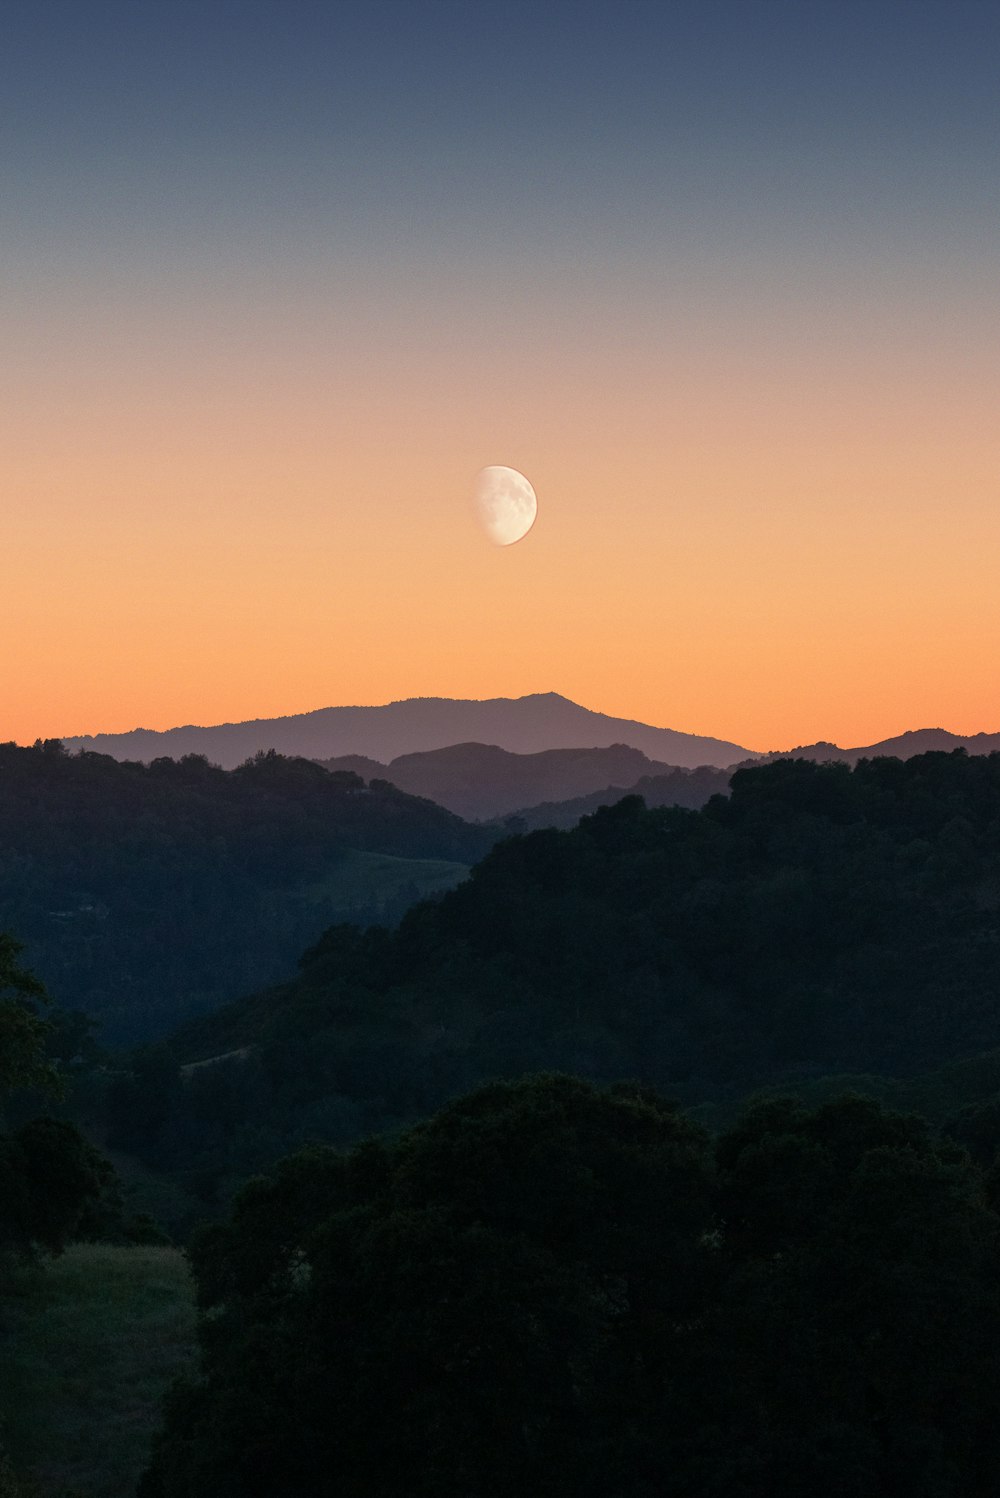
x=522, y=725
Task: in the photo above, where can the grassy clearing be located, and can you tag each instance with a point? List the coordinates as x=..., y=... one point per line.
x=89, y=1343
x=360, y=880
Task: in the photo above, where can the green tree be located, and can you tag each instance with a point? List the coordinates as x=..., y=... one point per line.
x=556, y=1289
x=471, y=1301
x=50, y=1176
x=860, y=1305
x=22, y=1029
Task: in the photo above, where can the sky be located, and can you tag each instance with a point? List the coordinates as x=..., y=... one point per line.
x=721, y=277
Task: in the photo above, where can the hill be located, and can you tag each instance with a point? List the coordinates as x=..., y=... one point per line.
x=146, y=893
x=481, y=781
x=524, y=725
x=903, y=746
x=818, y=920
x=673, y=787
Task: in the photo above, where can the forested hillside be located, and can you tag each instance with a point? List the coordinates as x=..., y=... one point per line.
x=147, y=893
x=819, y=920
x=577, y=1285
x=561, y=1291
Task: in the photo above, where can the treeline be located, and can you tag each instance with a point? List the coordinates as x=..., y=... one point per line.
x=819, y=920
x=147, y=893
x=555, y=1289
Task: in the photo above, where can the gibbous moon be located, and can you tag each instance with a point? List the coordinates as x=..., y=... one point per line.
x=505, y=504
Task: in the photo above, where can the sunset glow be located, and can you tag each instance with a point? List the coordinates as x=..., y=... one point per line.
x=261, y=327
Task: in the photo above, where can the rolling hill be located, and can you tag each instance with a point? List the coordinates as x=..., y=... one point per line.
x=903, y=746
x=674, y=787
x=147, y=892
x=817, y=921
x=481, y=781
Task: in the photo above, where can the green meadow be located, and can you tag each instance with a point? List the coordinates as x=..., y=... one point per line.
x=89, y=1343
x=360, y=880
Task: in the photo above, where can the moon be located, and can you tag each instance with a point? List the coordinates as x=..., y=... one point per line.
x=505, y=504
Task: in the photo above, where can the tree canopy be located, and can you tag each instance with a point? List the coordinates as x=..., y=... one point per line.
x=819, y=920
x=23, y=1062
x=53, y=1183
x=148, y=893
x=558, y=1289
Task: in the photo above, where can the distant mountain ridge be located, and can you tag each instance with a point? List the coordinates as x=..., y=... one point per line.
x=368, y=740
x=675, y=787
x=482, y=781
x=903, y=746
x=522, y=725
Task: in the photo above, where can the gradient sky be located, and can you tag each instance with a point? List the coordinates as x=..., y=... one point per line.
x=723, y=279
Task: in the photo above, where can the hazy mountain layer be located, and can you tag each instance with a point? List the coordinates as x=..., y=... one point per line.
x=675, y=787
x=524, y=725
x=903, y=746
x=480, y=781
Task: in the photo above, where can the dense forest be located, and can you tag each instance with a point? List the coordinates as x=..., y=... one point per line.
x=148, y=893
x=571, y=1292
x=566, y=1284
x=819, y=920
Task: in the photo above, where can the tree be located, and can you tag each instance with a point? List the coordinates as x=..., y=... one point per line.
x=860, y=1304
x=22, y=1029
x=556, y=1289
x=50, y=1176
x=470, y=1301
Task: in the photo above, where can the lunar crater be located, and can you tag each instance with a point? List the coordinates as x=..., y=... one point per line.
x=505, y=504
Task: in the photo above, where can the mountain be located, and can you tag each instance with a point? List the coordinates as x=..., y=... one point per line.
x=903, y=746
x=480, y=781
x=523, y=725
x=144, y=893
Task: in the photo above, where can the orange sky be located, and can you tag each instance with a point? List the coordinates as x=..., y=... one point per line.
x=770, y=548
x=747, y=359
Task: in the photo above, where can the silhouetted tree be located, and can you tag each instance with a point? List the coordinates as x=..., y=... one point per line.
x=555, y=1289
x=50, y=1176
